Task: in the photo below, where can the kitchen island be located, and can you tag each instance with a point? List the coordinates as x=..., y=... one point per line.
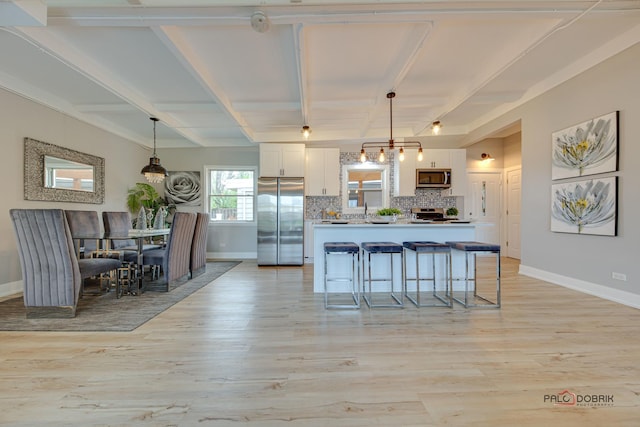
x=393, y=232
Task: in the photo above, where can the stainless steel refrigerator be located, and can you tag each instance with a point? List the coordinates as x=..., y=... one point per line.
x=280, y=221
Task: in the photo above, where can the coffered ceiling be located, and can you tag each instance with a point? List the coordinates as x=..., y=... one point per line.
x=215, y=80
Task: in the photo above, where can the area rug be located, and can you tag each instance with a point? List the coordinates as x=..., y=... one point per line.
x=106, y=312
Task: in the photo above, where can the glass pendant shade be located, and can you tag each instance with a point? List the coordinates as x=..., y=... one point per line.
x=154, y=172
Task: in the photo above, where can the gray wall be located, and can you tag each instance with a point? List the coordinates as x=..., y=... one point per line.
x=581, y=261
x=512, y=150
x=21, y=118
x=224, y=240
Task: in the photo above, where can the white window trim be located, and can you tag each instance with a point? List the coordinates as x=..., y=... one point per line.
x=254, y=169
x=384, y=168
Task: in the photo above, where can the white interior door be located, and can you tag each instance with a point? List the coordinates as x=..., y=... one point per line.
x=483, y=205
x=514, y=185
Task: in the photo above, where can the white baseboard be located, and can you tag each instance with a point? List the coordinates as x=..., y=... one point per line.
x=10, y=288
x=232, y=255
x=615, y=295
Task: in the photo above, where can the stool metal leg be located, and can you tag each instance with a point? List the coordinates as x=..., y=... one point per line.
x=353, y=279
x=367, y=280
x=433, y=278
x=471, y=280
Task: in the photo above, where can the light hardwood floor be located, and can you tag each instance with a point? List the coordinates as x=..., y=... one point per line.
x=256, y=347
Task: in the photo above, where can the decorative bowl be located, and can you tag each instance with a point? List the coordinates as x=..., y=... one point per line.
x=387, y=218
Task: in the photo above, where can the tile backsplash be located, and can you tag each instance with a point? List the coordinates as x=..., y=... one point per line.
x=424, y=198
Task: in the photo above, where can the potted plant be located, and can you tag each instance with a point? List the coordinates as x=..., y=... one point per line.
x=452, y=212
x=389, y=214
x=144, y=195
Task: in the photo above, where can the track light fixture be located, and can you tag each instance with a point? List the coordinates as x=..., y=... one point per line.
x=391, y=144
x=306, y=131
x=154, y=172
x=435, y=127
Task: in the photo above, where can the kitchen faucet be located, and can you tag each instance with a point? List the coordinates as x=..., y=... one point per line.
x=365, y=208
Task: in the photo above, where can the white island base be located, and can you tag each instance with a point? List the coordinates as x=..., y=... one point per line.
x=395, y=232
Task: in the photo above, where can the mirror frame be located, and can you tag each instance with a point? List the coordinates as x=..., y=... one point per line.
x=384, y=174
x=34, y=189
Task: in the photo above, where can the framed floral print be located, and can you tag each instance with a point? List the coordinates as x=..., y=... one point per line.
x=585, y=207
x=588, y=148
x=183, y=188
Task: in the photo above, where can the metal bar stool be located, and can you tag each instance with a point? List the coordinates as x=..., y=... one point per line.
x=341, y=249
x=443, y=253
x=471, y=249
x=381, y=249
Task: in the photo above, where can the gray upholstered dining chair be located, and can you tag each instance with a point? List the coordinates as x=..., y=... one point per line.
x=119, y=223
x=52, y=274
x=86, y=233
x=175, y=256
x=198, y=262
x=84, y=224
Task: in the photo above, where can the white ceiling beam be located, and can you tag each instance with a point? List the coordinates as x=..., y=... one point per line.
x=94, y=72
x=400, y=66
x=609, y=49
x=489, y=75
x=23, y=13
x=401, y=12
x=301, y=70
x=265, y=106
x=173, y=40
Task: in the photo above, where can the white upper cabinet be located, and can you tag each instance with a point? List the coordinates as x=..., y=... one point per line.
x=322, y=172
x=282, y=160
x=436, y=159
x=405, y=171
x=458, y=173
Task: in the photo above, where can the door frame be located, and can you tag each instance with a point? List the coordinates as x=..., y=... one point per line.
x=501, y=196
x=505, y=195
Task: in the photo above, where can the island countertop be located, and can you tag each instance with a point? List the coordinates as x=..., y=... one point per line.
x=398, y=232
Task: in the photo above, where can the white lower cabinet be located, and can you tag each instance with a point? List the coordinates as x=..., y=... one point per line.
x=308, y=242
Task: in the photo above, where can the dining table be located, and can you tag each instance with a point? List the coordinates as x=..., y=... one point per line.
x=139, y=235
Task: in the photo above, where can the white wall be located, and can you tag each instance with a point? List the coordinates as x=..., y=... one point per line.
x=20, y=118
x=581, y=261
x=236, y=241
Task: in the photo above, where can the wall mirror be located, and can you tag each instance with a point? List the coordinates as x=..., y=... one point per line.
x=57, y=174
x=365, y=184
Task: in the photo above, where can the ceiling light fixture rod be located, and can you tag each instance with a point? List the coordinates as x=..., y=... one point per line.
x=391, y=144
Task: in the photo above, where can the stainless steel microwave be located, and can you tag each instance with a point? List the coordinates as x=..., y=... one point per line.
x=433, y=178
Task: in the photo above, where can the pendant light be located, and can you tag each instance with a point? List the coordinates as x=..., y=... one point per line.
x=391, y=144
x=306, y=131
x=435, y=127
x=154, y=172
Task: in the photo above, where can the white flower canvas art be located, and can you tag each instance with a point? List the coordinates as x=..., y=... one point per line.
x=588, y=148
x=585, y=207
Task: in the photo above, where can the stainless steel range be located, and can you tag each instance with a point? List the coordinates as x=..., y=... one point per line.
x=428, y=214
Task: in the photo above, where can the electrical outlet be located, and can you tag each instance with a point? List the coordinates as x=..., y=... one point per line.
x=619, y=276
